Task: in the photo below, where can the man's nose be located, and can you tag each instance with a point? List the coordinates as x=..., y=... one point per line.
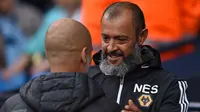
x=112, y=46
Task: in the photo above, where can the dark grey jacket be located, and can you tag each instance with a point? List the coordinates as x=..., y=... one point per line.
x=60, y=92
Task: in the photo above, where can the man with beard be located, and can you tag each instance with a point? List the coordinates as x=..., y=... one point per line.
x=131, y=73
x=67, y=88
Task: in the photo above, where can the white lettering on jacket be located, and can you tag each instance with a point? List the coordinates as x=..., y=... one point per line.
x=146, y=88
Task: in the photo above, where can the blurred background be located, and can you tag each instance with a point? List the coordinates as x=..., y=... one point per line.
x=174, y=29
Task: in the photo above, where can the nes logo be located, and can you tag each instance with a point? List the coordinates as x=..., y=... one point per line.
x=145, y=100
x=146, y=88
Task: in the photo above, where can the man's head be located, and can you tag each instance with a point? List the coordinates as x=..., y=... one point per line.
x=6, y=6
x=123, y=32
x=68, y=46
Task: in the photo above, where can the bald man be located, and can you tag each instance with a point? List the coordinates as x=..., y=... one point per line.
x=67, y=88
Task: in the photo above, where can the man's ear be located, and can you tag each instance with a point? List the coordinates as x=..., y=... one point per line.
x=143, y=36
x=84, y=55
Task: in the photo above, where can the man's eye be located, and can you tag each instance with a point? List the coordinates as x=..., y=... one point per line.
x=105, y=38
x=122, y=39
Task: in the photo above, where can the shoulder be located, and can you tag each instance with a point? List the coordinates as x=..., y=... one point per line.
x=169, y=81
x=94, y=71
x=96, y=74
x=164, y=75
x=165, y=79
x=11, y=103
x=14, y=99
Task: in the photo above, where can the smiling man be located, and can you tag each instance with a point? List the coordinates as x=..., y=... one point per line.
x=131, y=73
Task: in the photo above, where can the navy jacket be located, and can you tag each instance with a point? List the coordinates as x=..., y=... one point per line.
x=150, y=87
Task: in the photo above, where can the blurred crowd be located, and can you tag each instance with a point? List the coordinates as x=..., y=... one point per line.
x=23, y=25
x=173, y=26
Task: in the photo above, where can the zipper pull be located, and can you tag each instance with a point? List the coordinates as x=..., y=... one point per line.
x=120, y=89
x=122, y=80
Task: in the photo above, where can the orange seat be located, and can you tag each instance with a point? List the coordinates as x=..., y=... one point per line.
x=190, y=10
x=162, y=19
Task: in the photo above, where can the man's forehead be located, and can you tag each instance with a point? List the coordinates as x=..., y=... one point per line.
x=117, y=27
x=118, y=13
x=122, y=19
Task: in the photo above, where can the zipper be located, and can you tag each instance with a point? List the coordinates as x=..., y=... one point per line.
x=120, y=88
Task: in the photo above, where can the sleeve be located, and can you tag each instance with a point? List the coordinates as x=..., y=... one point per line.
x=15, y=103
x=175, y=99
x=8, y=104
x=3, y=108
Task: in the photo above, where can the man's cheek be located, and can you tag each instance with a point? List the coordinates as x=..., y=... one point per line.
x=104, y=49
x=126, y=53
x=126, y=49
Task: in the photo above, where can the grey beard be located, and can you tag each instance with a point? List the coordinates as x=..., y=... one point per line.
x=109, y=69
x=127, y=64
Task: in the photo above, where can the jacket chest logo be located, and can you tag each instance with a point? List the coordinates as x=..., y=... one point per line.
x=145, y=88
x=145, y=100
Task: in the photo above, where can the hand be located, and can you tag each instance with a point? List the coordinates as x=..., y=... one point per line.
x=131, y=107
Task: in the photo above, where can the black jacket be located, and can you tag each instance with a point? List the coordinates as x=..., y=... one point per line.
x=150, y=87
x=60, y=92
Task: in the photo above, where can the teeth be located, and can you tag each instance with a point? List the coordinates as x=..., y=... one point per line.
x=113, y=56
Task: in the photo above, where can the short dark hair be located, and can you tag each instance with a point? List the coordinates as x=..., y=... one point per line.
x=116, y=9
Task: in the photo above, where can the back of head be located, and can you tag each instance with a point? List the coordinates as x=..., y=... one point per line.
x=116, y=9
x=68, y=44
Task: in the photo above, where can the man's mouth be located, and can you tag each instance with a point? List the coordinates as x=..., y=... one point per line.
x=113, y=58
